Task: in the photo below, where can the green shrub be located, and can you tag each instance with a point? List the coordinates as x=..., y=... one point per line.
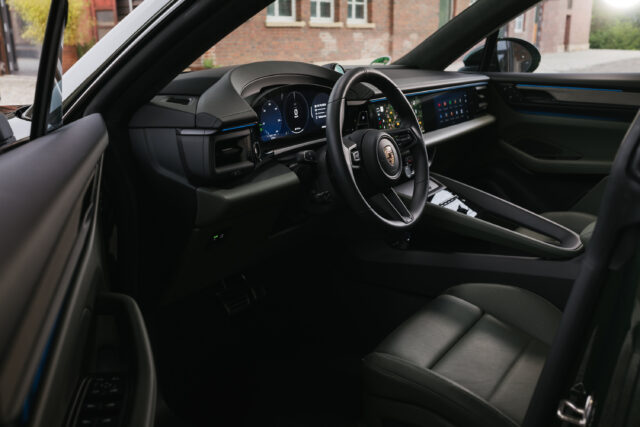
x=208, y=63
x=614, y=29
x=34, y=13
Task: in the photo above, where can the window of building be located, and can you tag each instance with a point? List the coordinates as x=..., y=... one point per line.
x=446, y=11
x=282, y=10
x=106, y=20
x=322, y=10
x=357, y=11
x=518, y=24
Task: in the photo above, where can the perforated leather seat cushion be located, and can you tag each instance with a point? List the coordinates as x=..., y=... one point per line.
x=470, y=357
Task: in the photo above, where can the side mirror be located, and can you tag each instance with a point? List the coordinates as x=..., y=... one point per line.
x=334, y=66
x=6, y=133
x=384, y=60
x=511, y=55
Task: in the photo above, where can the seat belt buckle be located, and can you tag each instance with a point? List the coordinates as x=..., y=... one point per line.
x=574, y=414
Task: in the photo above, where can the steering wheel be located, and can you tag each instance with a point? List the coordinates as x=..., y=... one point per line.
x=367, y=164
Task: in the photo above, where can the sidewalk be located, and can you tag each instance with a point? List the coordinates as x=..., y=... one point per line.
x=19, y=88
x=591, y=61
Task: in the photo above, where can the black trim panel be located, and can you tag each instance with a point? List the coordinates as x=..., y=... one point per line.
x=40, y=184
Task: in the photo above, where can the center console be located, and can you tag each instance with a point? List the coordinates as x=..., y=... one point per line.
x=468, y=211
x=441, y=196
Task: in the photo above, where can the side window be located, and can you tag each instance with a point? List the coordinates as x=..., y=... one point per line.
x=574, y=36
x=22, y=27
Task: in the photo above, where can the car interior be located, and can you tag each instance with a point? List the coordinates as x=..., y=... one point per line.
x=416, y=247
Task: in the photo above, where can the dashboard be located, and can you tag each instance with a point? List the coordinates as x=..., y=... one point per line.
x=221, y=125
x=290, y=115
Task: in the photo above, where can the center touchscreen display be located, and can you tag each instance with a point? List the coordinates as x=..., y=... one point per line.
x=385, y=117
x=451, y=108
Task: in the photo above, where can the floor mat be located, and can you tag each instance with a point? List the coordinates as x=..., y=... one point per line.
x=279, y=364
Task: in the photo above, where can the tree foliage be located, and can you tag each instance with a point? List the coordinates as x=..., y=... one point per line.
x=614, y=28
x=34, y=13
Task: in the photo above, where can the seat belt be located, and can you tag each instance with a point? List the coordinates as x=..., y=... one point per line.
x=602, y=370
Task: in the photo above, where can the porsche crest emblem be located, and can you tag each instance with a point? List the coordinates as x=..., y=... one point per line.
x=389, y=155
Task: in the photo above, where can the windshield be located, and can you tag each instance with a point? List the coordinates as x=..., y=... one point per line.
x=349, y=32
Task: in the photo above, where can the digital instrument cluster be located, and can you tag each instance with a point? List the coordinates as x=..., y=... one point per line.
x=292, y=111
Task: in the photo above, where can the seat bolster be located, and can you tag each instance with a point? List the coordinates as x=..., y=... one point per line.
x=518, y=307
x=393, y=378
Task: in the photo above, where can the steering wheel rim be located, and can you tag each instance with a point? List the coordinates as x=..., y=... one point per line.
x=357, y=161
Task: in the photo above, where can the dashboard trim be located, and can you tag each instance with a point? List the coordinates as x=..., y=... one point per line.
x=453, y=131
x=442, y=89
x=283, y=150
x=238, y=127
x=430, y=138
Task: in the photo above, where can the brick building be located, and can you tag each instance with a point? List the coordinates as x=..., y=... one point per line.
x=555, y=25
x=333, y=30
x=107, y=13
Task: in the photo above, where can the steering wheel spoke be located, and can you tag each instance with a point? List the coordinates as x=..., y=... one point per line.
x=405, y=137
x=392, y=205
x=352, y=153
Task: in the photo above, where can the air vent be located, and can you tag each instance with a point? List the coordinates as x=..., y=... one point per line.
x=208, y=156
x=228, y=153
x=232, y=153
x=482, y=96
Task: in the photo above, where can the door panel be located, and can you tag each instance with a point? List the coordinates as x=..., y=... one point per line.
x=47, y=190
x=63, y=335
x=559, y=134
x=551, y=144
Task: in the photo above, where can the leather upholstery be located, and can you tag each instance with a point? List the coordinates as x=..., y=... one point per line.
x=579, y=222
x=471, y=357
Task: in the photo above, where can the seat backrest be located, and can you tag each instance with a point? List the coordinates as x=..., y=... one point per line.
x=602, y=312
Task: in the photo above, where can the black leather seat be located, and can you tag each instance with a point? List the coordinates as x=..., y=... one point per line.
x=471, y=357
